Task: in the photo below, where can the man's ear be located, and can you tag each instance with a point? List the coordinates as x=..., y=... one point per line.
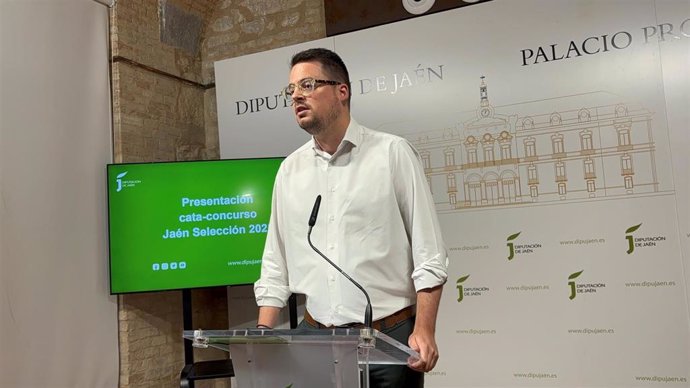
x=344, y=92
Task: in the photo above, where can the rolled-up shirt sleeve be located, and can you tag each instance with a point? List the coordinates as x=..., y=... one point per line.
x=272, y=288
x=429, y=255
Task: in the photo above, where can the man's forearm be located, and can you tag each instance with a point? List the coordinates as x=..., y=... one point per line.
x=428, y=301
x=422, y=338
x=268, y=316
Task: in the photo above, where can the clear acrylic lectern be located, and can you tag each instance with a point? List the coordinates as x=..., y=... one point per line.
x=338, y=357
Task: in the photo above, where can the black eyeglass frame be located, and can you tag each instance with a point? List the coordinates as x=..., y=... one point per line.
x=305, y=86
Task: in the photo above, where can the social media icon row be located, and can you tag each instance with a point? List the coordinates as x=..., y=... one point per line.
x=169, y=266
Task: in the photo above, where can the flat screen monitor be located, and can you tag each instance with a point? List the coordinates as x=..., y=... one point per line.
x=177, y=225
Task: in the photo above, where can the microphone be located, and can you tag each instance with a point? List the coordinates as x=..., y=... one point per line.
x=314, y=212
x=312, y=222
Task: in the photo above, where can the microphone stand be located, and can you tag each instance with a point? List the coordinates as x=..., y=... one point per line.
x=367, y=341
x=367, y=310
x=312, y=221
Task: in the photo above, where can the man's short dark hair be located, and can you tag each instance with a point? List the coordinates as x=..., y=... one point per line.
x=332, y=63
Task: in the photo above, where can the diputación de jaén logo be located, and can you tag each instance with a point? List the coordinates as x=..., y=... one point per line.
x=630, y=238
x=588, y=288
x=474, y=291
x=511, y=247
x=461, y=292
x=525, y=248
x=571, y=283
x=643, y=242
x=119, y=181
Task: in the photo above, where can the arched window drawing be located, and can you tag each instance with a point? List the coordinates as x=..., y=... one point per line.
x=623, y=136
x=621, y=110
x=589, y=168
x=626, y=165
x=561, y=188
x=489, y=153
x=586, y=140
x=530, y=148
x=426, y=159
x=506, y=152
x=450, y=180
x=473, y=196
x=560, y=172
x=509, y=190
x=472, y=155
x=528, y=123
x=450, y=157
x=628, y=180
x=555, y=119
x=488, y=146
x=532, y=174
x=583, y=116
x=590, y=186
x=533, y=191
x=471, y=148
x=504, y=140
x=557, y=144
x=491, y=184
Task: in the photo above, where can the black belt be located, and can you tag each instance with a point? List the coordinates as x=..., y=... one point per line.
x=380, y=324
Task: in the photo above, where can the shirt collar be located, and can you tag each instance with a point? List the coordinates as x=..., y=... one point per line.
x=353, y=136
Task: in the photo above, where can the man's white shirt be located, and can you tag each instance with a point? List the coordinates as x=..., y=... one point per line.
x=376, y=221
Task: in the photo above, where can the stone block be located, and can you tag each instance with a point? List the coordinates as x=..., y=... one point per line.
x=222, y=24
x=255, y=26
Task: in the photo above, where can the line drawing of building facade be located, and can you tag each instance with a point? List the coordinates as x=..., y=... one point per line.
x=571, y=148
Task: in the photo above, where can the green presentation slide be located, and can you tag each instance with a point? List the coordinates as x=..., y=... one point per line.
x=188, y=224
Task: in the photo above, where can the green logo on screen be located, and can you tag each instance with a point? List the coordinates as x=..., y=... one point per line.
x=119, y=181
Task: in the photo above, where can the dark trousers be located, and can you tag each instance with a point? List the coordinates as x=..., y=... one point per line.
x=391, y=376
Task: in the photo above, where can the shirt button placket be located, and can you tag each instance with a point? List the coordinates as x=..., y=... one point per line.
x=331, y=238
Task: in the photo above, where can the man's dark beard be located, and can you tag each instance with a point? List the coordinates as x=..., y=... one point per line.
x=318, y=125
x=313, y=128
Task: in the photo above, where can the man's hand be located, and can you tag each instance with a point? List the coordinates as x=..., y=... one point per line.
x=422, y=338
x=425, y=344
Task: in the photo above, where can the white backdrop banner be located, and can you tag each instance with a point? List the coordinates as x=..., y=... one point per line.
x=554, y=135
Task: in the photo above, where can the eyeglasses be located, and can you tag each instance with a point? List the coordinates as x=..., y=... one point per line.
x=305, y=86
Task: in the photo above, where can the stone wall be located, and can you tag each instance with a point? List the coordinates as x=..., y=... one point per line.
x=164, y=108
x=157, y=118
x=158, y=97
x=237, y=28
x=150, y=353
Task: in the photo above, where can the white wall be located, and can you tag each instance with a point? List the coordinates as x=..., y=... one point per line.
x=58, y=323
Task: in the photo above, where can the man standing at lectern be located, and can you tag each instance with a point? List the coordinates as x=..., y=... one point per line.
x=376, y=221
